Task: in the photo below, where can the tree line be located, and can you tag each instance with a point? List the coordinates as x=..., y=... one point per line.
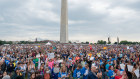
x=125, y=42
x=11, y=42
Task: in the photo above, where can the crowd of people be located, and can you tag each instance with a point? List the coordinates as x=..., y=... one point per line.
x=69, y=61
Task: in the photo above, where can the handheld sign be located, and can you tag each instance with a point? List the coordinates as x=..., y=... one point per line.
x=130, y=68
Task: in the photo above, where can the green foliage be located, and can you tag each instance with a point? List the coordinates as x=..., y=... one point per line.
x=87, y=42
x=5, y=42
x=70, y=42
x=128, y=42
x=109, y=43
x=115, y=43
x=25, y=42
x=125, y=42
x=101, y=42
x=0, y=42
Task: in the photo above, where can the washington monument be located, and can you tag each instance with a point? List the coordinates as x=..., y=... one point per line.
x=64, y=22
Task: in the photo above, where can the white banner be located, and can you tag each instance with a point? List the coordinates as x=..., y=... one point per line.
x=50, y=55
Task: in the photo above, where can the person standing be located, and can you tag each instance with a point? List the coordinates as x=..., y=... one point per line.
x=118, y=75
x=47, y=73
x=31, y=68
x=63, y=73
x=92, y=74
x=55, y=72
x=5, y=76
x=36, y=60
x=111, y=73
x=85, y=71
x=78, y=72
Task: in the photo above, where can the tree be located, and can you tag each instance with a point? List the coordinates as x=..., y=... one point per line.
x=125, y=42
x=95, y=43
x=87, y=42
x=9, y=42
x=0, y=42
x=69, y=41
x=128, y=42
x=116, y=43
x=101, y=42
x=109, y=42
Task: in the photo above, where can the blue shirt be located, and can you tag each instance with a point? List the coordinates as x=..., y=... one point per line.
x=54, y=75
x=81, y=54
x=107, y=66
x=121, y=71
x=77, y=73
x=70, y=59
x=62, y=74
x=110, y=74
x=7, y=62
x=84, y=71
x=113, y=59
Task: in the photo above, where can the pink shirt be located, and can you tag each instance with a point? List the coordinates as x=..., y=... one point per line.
x=50, y=64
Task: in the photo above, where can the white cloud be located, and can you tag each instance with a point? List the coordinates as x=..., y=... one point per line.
x=100, y=6
x=76, y=22
x=121, y=14
x=42, y=9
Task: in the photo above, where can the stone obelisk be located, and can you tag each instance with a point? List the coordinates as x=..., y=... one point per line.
x=64, y=22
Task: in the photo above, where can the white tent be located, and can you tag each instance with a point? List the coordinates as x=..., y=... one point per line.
x=48, y=43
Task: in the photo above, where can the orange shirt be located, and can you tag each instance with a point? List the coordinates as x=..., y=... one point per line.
x=77, y=58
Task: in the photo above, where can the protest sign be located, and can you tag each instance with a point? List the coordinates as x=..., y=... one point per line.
x=50, y=55
x=92, y=58
x=60, y=61
x=36, y=47
x=137, y=73
x=122, y=66
x=99, y=54
x=127, y=47
x=132, y=49
x=130, y=68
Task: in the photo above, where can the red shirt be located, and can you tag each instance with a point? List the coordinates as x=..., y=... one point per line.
x=118, y=77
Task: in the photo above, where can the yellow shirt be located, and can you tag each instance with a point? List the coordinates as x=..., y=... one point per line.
x=90, y=54
x=14, y=64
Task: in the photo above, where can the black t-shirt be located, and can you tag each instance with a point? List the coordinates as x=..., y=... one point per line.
x=65, y=55
x=19, y=77
x=89, y=63
x=39, y=77
x=10, y=68
x=1, y=73
x=3, y=67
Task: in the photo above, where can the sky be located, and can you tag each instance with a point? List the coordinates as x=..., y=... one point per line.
x=89, y=20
